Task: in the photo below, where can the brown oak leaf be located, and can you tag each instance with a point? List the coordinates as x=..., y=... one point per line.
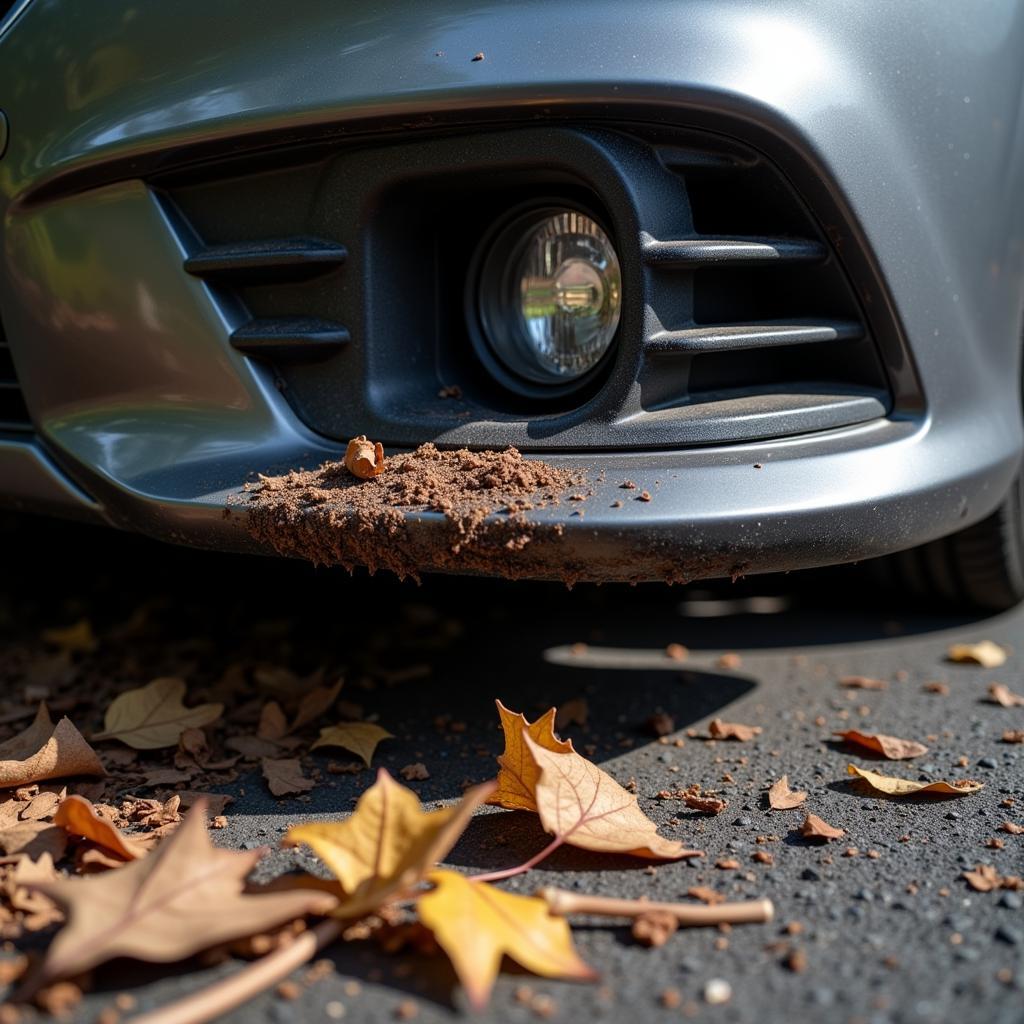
x=284, y=775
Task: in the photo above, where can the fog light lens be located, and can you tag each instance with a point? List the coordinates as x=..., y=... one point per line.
x=551, y=295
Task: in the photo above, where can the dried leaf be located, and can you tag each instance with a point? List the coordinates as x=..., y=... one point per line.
x=984, y=878
x=39, y=911
x=272, y=725
x=388, y=843
x=733, y=730
x=184, y=897
x=986, y=653
x=815, y=828
x=892, y=786
x=1013, y=736
x=1003, y=695
x=782, y=798
x=315, y=703
x=587, y=808
x=252, y=748
x=891, y=747
x=416, y=772
x=364, y=459
x=74, y=639
x=34, y=838
x=863, y=683
x=284, y=775
x=153, y=716
x=44, y=751
x=572, y=712
x=78, y=817
x=359, y=737
x=517, y=777
x=1013, y=828
x=705, y=894
x=477, y=924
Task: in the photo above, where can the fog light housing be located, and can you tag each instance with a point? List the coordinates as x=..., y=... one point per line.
x=549, y=299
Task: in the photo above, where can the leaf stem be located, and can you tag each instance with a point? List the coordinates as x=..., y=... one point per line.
x=494, y=876
x=240, y=987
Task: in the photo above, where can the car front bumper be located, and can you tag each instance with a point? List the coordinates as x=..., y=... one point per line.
x=145, y=417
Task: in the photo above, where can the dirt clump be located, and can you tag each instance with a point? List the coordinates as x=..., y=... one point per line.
x=428, y=510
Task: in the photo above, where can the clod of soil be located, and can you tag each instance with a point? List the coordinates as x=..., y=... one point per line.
x=330, y=517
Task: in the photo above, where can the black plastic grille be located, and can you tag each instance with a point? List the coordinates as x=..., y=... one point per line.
x=348, y=276
x=14, y=415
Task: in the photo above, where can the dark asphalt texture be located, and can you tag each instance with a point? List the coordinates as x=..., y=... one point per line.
x=875, y=951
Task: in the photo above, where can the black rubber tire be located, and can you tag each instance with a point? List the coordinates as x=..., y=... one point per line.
x=982, y=566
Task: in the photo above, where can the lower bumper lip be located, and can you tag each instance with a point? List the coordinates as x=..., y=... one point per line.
x=856, y=494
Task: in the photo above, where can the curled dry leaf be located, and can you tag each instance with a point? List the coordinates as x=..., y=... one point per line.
x=518, y=773
x=44, y=751
x=363, y=458
x=359, y=737
x=1013, y=736
x=388, y=843
x=585, y=807
x=272, y=724
x=720, y=730
x=1001, y=694
x=782, y=798
x=891, y=747
x=892, y=786
x=37, y=910
x=815, y=828
x=477, y=924
x=986, y=653
x=284, y=776
x=78, y=817
x=863, y=683
x=154, y=716
x=1012, y=828
x=184, y=897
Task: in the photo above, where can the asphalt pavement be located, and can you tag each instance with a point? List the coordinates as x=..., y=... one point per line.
x=889, y=933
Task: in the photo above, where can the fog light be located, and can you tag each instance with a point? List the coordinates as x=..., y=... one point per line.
x=550, y=296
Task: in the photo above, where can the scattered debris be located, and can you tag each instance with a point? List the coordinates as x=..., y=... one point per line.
x=782, y=798
x=720, y=730
x=986, y=653
x=892, y=786
x=890, y=747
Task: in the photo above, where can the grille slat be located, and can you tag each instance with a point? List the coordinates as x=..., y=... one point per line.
x=740, y=337
x=294, y=339
x=692, y=253
x=276, y=259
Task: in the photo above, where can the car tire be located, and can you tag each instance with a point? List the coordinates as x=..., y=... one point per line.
x=982, y=566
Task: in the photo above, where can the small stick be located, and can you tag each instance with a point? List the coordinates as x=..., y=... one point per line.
x=562, y=902
x=223, y=996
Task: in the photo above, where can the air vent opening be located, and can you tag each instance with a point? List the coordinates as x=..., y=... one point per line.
x=14, y=415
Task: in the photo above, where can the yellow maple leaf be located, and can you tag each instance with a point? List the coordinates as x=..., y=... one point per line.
x=517, y=778
x=586, y=807
x=892, y=786
x=388, y=843
x=359, y=737
x=477, y=924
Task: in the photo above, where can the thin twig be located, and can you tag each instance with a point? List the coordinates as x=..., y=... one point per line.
x=562, y=902
x=494, y=876
x=224, y=996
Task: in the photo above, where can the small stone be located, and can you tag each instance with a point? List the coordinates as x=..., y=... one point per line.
x=987, y=762
x=810, y=875
x=1011, y=936
x=744, y=822
x=717, y=991
x=1012, y=901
